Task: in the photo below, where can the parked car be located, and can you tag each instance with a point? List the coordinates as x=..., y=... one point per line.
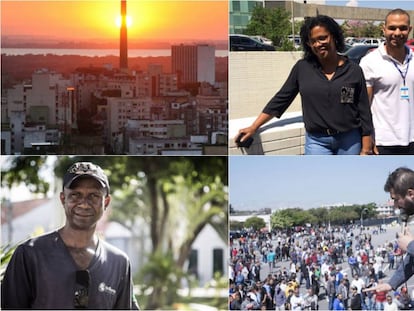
x=369, y=41
x=246, y=43
x=356, y=52
x=351, y=40
x=263, y=39
x=296, y=41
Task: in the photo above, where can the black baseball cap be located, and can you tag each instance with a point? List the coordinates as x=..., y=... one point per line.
x=85, y=169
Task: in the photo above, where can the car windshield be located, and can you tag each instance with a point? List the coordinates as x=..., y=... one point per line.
x=356, y=51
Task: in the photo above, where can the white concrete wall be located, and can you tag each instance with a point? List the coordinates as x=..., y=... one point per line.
x=254, y=78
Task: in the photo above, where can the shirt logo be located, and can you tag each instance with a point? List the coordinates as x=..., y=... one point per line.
x=347, y=95
x=103, y=288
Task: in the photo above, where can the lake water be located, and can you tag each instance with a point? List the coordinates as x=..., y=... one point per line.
x=97, y=52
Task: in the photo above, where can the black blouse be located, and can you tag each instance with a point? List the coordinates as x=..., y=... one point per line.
x=337, y=105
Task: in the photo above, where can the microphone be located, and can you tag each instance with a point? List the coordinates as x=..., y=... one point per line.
x=404, y=216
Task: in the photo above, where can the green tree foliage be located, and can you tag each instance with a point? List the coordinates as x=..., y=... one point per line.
x=270, y=23
x=255, y=222
x=6, y=253
x=335, y=215
x=236, y=225
x=17, y=170
x=362, y=29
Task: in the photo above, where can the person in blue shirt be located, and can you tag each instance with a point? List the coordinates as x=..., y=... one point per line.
x=338, y=305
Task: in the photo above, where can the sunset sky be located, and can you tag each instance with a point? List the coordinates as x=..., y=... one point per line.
x=82, y=20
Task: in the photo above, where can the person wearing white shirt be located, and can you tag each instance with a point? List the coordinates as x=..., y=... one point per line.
x=358, y=283
x=296, y=301
x=390, y=305
x=389, y=74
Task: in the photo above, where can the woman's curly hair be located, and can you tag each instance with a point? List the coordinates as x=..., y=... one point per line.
x=325, y=21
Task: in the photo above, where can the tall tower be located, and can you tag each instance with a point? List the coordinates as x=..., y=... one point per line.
x=123, y=48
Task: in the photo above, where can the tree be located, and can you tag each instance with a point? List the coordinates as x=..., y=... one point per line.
x=17, y=170
x=255, y=222
x=270, y=23
x=236, y=225
x=281, y=219
x=356, y=28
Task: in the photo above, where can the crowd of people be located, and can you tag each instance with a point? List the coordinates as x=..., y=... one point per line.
x=290, y=271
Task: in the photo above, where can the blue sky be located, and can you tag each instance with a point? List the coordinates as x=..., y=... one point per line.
x=309, y=181
x=406, y=5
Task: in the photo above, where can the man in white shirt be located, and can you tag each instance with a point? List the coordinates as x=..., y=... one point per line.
x=389, y=74
x=296, y=301
x=358, y=283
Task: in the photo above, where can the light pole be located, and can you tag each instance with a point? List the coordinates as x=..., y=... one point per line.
x=362, y=220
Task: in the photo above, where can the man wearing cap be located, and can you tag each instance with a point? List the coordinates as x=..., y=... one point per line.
x=71, y=268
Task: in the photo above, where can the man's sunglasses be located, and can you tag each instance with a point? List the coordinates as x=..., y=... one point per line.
x=81, y=298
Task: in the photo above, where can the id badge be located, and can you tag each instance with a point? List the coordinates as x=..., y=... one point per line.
x=404, y=93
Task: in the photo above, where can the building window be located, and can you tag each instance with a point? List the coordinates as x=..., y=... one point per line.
x=236, y=6
x=218, y=261
x=193, y=263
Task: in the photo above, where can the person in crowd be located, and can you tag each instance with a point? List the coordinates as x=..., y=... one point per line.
x=235, y=301
x=353, y=264
x=380, y=298
x=249, y=303
x=331, y=290
x=389, y=76
x=296, y=301
x=344, y=291
x=370, y=295
x=338, y=304
x=288, y=304
x=279, y=299
x=72, y=267
x=355, y=299
x=335, y=102
x=311, y=300
x=390, y=305
x=405, y=299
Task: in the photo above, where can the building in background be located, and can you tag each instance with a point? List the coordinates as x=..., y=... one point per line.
x=193, y=63
x=240, y=14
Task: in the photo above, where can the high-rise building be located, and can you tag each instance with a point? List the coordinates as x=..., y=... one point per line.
x=241, y=13
x=123, y=47
x=193, y=63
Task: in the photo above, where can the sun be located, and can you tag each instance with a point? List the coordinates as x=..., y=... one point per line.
x=118, y=21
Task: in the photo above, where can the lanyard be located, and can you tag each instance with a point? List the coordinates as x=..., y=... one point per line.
x=403, y=75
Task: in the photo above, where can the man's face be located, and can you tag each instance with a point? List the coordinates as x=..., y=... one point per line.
x=396, y=30
x=84, y=203
x=404, y=203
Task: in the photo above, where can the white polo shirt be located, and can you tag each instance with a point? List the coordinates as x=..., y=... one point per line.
x=393, y=116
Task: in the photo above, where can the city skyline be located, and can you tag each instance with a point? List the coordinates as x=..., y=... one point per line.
x=150, y=20
x=310, y=181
